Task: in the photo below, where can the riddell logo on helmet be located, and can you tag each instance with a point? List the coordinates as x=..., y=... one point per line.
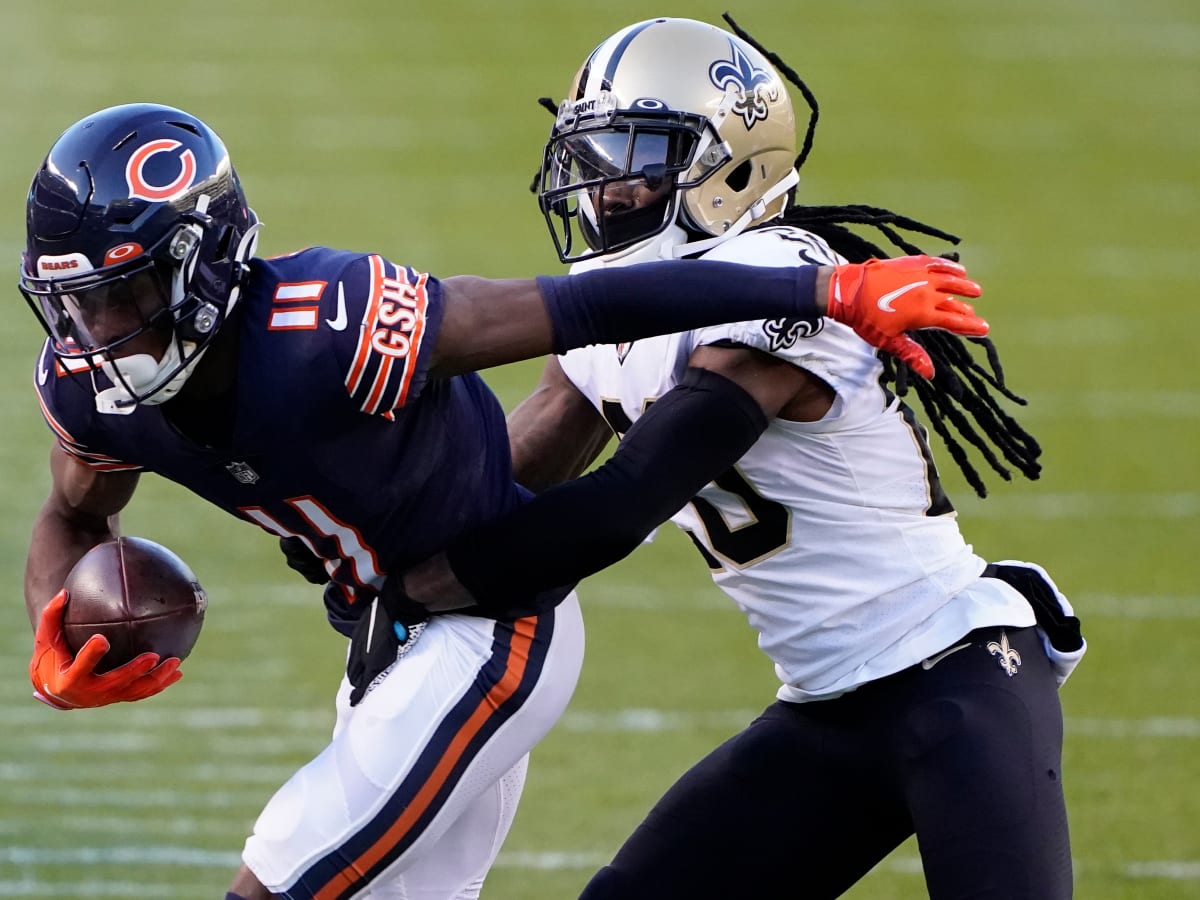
x=122, y=252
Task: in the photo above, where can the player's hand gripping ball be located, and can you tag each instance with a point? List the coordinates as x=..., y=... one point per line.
x=139, y=595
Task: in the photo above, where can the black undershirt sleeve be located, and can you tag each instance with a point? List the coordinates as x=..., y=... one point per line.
x=607, y=306
x=690, y=436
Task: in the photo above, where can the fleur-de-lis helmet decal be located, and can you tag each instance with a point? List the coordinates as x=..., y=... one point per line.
x=754, y=85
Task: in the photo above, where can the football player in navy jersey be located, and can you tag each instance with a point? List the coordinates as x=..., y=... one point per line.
x=329, y=397
x=918, y=682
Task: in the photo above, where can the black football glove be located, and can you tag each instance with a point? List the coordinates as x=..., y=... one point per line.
x=1060, y=626
x=303, y=560
x=387, y=630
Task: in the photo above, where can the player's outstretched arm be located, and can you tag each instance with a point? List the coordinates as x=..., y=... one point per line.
x=882, y=299
x=80, y=513
x=488, y=323
x=694, y=432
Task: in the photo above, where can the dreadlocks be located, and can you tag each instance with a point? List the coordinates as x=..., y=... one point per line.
x=962, y=392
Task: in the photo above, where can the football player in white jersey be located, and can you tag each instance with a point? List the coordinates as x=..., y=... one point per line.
x=918, y=682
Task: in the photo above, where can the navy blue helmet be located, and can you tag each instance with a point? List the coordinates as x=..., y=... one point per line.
x=137, y=237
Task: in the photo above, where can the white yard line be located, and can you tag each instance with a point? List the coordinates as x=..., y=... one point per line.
x=29, y=887
x=171, y=799
x=550, y=860
x=660, y=720
x=1081, y=505
x=1106, y=405
x=632, y=720
x=242, y=773
x=159, y=718
x=1116, y=606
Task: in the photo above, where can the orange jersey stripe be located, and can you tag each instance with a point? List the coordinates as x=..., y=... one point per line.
x=63, y=434
x=363, y=352
x=371, y=405
x=391, y=291
x=523, y=632
x=422, y=301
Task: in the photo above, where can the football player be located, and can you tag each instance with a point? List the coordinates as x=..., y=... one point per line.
x=329, y=397
x=918, y=682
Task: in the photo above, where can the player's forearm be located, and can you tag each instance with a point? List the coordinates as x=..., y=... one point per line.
x=433, y=584
x=608, y=306
x=58, y=541
x=555, y=433
x=80, y=513
x=689, y=437
x=490, y=323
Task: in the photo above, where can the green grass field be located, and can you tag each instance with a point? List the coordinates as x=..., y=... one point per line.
x=1058, y=137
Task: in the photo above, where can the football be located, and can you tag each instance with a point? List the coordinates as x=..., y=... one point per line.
x=139, y=595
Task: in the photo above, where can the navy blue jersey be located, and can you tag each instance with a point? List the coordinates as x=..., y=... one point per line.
x=339, y=436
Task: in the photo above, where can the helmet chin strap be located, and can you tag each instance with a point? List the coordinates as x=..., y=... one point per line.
x=139, y=373
x=657, y=247
x=757, y=210
x=245, y=249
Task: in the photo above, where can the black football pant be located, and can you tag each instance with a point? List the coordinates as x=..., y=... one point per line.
x=811, y=796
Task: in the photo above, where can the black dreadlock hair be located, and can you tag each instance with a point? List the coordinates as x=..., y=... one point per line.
x=961, y=391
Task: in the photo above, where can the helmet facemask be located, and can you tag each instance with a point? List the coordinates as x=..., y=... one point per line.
x=612, y=179
x=137, y=237
x=140, y=321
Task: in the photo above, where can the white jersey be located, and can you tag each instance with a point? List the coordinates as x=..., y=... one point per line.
x=833, y=537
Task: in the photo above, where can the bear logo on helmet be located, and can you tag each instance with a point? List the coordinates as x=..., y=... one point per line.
x=141, y=188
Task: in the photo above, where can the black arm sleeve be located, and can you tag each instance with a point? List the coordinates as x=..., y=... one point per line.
x=690, y=436
x=607, y=306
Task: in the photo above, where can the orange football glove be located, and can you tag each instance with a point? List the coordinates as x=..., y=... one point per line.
x=67, y=681
x=883, y=298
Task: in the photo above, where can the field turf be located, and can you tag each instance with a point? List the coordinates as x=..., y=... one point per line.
x=1059, y=138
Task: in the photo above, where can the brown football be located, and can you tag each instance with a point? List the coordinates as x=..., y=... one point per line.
x=139, y=595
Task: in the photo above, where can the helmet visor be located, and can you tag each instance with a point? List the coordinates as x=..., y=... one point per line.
x=582, y=158
x=587, y=157
x=604, y=189
x=88, y=316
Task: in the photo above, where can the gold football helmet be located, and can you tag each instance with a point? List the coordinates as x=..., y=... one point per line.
x=671, y=127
